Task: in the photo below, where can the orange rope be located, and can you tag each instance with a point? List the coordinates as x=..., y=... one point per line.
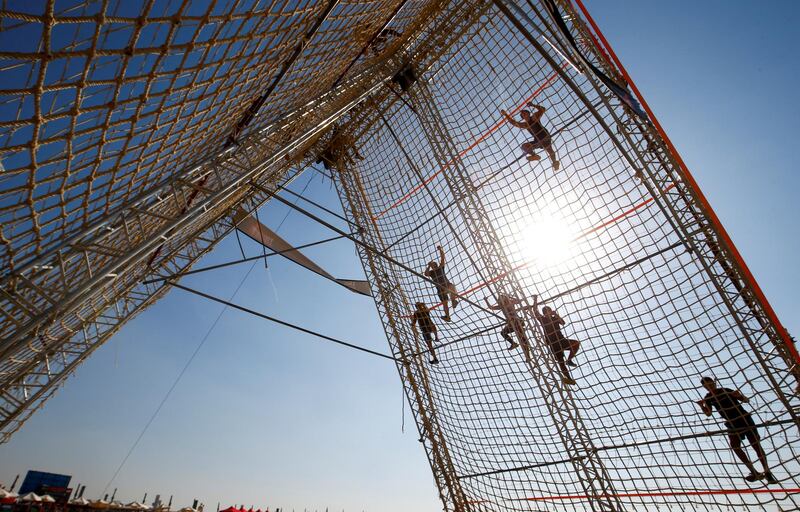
x=547, y=83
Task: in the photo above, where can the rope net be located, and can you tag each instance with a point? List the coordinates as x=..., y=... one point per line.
x=102, y=100
x=595, y=245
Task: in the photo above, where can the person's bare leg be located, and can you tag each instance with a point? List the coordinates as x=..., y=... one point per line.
x=526, y=347
x=519, y=330
x=574, y=347
x=528, y=149
x=736, y=446
x=506, y=334
x=762, y=457
x=553, y=158
x=565, y=376
x=429, y=341
x=453, y=296
x=446, y=316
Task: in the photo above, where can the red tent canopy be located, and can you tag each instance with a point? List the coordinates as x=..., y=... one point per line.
x=230, y=509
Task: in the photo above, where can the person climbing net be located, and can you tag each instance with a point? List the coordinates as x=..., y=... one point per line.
x=532, y=122
x=422, y=318
x=340, y=150
x=507, y=305
x=740, y=425
x=435, y=271
x=559, y=344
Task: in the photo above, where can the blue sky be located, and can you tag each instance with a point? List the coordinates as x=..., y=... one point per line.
x=270, y=417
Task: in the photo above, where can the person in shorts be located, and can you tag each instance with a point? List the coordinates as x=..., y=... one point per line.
x=532, y=122
x=740, y=425
x=422, y=319
x=514, y=324
x=435, y=271
x=559, y=344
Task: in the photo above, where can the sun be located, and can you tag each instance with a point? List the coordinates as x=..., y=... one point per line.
x=547, y=239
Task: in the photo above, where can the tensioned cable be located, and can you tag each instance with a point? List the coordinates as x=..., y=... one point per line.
x=244, y=260
x=365, y=245
x=175, y=383
x=189, y=362
x=282, y=322
x=303, y=198
x=626, y=445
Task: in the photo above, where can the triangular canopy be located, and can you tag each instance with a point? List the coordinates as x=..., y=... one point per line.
x=30, y=497
x=48, y=499
x=251, y=227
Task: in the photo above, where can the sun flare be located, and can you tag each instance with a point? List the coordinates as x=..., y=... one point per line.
x=547, y=239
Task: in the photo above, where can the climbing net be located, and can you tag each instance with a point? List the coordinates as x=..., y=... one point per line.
x=101, y=101
x=593, y=242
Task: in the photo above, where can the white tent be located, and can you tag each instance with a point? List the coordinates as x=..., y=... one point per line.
x=117, y=504
x=80, y=501
x=48, y=499
x=98, y=503
x=7, y=494
x=135, y=505
x=30, y=497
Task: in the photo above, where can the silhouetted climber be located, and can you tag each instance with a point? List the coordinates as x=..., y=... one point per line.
x=541, y=137
x=405, y=78
x=422, y=318
x=382, y=39
x=739, y=423
x=558, y=343
x=245, y=120
x=446, y=290
x=508, y=306
x=339, y=150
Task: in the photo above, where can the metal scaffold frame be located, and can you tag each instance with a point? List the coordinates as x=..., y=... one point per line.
x=154, y=235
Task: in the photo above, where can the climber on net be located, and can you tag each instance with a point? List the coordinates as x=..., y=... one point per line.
x=422, y=318
x=514, y=324
x=740, y=425
x=551, y=324
x=446, y=290
x=541, y=137
x=338, y=150
x=382, y=39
